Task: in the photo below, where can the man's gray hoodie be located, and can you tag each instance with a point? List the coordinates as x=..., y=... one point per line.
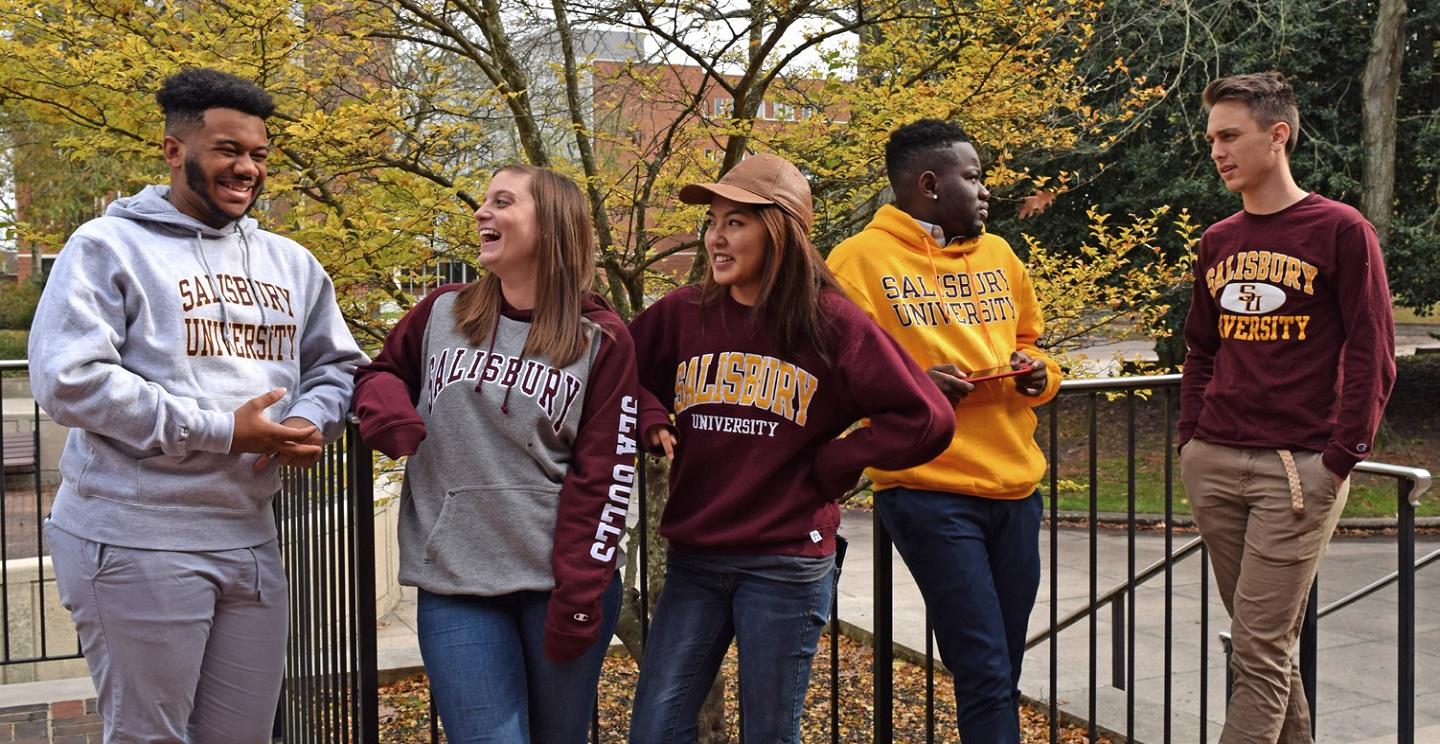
x=153, y=328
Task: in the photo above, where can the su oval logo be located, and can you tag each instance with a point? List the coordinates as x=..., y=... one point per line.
x=1252, y=298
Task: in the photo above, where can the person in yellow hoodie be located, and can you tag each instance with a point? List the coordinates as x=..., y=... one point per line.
x=960, y=302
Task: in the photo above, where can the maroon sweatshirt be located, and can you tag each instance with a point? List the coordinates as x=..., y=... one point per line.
x=520, y=472
x=1291, y=337
x=759, y=466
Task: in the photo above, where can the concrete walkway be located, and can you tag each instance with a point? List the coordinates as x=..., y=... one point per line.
x=1357, y=644
x=1106, y=358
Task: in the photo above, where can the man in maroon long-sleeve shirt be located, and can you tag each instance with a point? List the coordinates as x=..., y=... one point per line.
x=1291, y=359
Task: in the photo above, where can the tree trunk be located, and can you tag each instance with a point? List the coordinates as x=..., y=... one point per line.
x=1381, y=89
x=711, y=726
x=657, y=490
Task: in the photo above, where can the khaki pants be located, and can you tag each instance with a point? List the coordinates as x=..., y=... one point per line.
x=1265, y=556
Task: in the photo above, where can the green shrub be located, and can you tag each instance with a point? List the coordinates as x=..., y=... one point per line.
x=1417, y=386
x=12, y=345
x=17, y=305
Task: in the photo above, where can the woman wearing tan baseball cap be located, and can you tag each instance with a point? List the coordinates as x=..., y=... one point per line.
x=762, y=366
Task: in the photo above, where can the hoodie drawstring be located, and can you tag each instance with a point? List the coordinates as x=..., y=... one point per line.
x=215, y=285
x=985, y=327
x=250, y=280
x=935, y=274
x=945, y=311
x=504, y=402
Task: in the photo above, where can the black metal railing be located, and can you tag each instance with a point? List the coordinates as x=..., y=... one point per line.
x=327, y=537
x=28, y=604
x=327, y=532
x=1410, y=483
x=1121, y=598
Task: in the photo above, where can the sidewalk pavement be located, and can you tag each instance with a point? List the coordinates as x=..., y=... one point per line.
x=1357, y=665
x=1107, y=358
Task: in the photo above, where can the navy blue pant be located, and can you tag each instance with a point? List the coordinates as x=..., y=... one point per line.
x=977, y=562
x=489, y=675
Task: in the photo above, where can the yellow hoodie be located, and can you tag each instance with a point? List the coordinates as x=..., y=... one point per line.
x=969, y=304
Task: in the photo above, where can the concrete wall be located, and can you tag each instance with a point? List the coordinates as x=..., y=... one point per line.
x=26, y=592
x=387, y=548
x=17, y=414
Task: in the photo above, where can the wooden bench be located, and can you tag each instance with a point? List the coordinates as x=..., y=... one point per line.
x=19, y=451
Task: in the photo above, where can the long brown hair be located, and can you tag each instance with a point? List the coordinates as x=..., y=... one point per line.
x=794, y=276
x=564, y=270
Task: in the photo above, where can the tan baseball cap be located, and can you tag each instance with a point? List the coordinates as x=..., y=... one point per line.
x=760, y=179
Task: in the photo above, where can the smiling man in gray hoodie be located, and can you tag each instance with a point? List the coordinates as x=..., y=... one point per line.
x=191, y=353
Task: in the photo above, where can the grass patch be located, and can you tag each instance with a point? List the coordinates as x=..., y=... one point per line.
x=13, y=345
x=1406, y=315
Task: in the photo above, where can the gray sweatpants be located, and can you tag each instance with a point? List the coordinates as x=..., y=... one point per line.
x=184, y=647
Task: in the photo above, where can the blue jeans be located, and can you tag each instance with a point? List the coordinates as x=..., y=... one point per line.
x=776, y=620
x=489, y=676
x=977, y=562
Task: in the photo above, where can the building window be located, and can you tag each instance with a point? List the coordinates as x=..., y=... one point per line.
x=454, y=272
x=723, y=106
x=783, y=112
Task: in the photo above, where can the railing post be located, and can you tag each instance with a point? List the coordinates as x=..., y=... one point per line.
x=929, y=680
x=1228, y=647
x=1405, y=682
x=361, y=496
x=835, y=660
x=884, y=637
x=1117, y=642
x=1309, y=636
x=1054, y=457
x=1205, y=645
x=1092, y=729
x=841, y=547
x=643, y=580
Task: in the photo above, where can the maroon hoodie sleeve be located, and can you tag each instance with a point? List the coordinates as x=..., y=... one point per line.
x=595, y=496
x=655, y=358
x=388, y=388
x=1367, y=362
x=1202, y=342
x=911, y=422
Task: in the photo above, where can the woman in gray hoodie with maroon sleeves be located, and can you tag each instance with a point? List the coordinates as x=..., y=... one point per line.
x=514, y=398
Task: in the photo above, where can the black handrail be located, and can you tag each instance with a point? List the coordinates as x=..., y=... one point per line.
x=326, y=518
